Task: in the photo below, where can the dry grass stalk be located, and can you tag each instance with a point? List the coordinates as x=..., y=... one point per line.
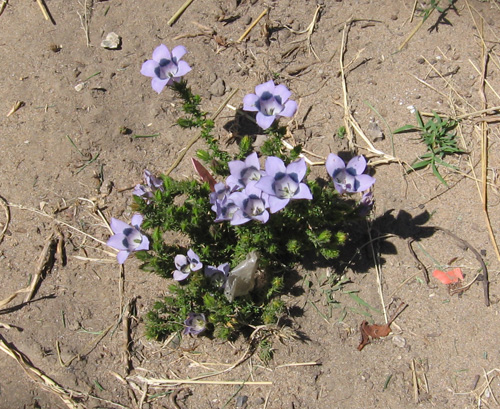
x=5, y=205
x=67, y=396
x=179, y=12
x=43, y=7
x=89, y=347
x=3, y=5
x=247, y=31
x=160, y=382
x=45, y=263
x=15, y=107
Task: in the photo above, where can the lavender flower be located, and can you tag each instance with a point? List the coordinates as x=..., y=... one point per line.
x=186, y=264
x=251, y=203
x=366, y=203
x=127, y=238
x=152, y=185
x=283, y=183
x=165, y=67
x=348, y=178
x=218, y=275
x=270, y=102
x=221, y=204
x=244, y=172
x=195, y=324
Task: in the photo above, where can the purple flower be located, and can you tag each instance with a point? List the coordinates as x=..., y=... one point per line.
x=270, y=102
x=221, y=204
x=152, y=185
x=186, y=264
x=165, y=67
x=127, y=238
x=244, y=172
x=348, y=178
x=366, y=203
x=251, y=203
x=195, y=324
x=218, y=275
x=283, y=183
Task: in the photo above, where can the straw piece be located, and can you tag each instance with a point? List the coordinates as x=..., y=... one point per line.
x=179, y=12
x=44, y=9
x=247, y=31
x=3, y=5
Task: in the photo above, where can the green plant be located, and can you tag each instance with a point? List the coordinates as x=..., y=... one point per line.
x=303, y=230
x=438, y=136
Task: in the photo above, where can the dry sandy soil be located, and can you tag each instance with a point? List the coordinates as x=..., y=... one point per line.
x=66, y=347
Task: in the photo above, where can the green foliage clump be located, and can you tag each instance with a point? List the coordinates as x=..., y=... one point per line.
x=305, y=230
x=438, y=136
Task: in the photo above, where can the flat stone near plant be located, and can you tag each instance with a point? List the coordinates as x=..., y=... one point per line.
x=112, y=41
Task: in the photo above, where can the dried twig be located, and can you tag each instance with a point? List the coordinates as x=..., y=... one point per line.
x=179, y=12
x=45, y=263
x=66, y=395
x=5, y=205
x=247, y=31
x=3, y=4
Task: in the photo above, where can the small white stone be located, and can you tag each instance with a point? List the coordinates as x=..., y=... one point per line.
x=399, y=341
x=112, y=41
x=79, y=87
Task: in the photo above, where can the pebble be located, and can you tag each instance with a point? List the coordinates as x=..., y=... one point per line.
x=218, y=88
x=248, y=20
x=399, y=341
x=112, y=41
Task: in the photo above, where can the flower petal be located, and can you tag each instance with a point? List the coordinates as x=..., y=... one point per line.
x=276, y=204
x=266, y=87
x=265, y=121
x=116, y=242
x=161, y=52
x=283, y=92
x=137, y=220
x=358, y=164
x=289, y=109
x=122, y=256
x=180, y=260
x=179, y=275
x=266, y=184
x=298, y=167
x=148, y=68
x=182, y=69
x=274, y=165
x=249, y=102
x=118, y=226
x=178, y=52
x=303, y=192
x=144, y=244
x=158, y=84
x=334, y=164
x=363, y=182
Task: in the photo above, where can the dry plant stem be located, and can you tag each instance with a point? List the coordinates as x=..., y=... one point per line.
x=90, y=346
x=5, y=205
x=58, y=222
x=421, y=266
x=44, y=9
x=465, y=246
x=179, y=12
x=414, y=31
x=127, y=337
x=45, y=263
x=159, y=382
x=195, y=138
x=3, y=5
x=379, y=274
x=247, y=31
x=349, y=134
x=414, y=381
x=41, y=379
